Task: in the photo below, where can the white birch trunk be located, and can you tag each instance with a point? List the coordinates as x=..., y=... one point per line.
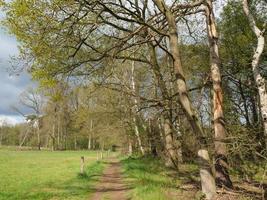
x=130, y=147
x=259, y=79
x=90, y=136
x=135, y=110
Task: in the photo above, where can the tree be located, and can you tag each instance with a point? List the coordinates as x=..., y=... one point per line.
x=259, y=79
x=221, y=163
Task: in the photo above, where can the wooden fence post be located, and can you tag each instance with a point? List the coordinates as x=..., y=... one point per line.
x=82, y=164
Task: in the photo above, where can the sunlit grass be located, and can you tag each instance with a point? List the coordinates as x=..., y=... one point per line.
x=47, y=175
x=149, y=179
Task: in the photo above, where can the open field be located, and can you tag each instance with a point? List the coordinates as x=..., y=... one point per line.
x=47, y=175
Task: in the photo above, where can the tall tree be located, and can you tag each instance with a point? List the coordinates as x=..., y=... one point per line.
x=259, y=79
x=221, y=163
x=207, y=179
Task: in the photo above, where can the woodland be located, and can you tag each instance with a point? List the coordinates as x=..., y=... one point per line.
x=181, y=81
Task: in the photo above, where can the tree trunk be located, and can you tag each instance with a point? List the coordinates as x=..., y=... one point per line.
x=172, y=156
x=207, y=180
x=24, y=138
x=58, y=134
x=89, y=142
x=90, y=136
x=137, y=134
x=135, y=110
x=130, y=147
x=75, y=142
x=47, y=141
x=221, y=164
x=246, y=114
x=260, y=81
x=53, y=138
x=101, y=154
x=38, y=139
x=208, y=189
x=38, y=135
x=153, y=137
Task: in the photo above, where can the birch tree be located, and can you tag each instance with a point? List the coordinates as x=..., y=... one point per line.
x=259, y=79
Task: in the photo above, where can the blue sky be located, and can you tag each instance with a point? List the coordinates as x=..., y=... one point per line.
x=11, y=85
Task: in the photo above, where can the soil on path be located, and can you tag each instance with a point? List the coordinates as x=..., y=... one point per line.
x=111, y=185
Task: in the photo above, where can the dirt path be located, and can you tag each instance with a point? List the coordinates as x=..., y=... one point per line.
x=111, y=184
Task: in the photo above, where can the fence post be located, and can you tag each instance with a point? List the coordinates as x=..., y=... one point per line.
x=82, y=164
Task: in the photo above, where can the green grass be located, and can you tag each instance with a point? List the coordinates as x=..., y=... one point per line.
x=149, y=179
x=36, y=175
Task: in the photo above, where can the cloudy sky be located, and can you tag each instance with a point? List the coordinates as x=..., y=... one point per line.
x=11, y=85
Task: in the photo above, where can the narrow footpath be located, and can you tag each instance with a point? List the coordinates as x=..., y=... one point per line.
x=111, y=185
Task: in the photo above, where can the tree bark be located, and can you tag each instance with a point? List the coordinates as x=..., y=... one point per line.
x=130, y=146
x=207, y=180
x=208, y=189
x=171, y=150
x=89, y=142
x=38, y=133
x=172, y=154
x=75, y=142
x=153, y=137
x=58, y=133
x=24, y=138
x=221, y=164
x=90, y=135
x=135, y=110
x=53, y=137
x=259, y=79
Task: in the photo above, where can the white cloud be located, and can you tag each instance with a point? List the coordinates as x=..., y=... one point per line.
x=11, y=119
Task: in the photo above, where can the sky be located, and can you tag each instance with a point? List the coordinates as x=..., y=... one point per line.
x=11, y=85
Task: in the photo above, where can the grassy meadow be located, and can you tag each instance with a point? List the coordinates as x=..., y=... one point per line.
x=47, y=175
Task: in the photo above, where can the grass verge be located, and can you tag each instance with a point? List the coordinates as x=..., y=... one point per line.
x=149, y=179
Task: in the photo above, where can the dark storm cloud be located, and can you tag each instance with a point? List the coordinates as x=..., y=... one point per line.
x=11, y=85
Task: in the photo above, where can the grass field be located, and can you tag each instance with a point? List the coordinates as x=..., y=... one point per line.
x=44, y=175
